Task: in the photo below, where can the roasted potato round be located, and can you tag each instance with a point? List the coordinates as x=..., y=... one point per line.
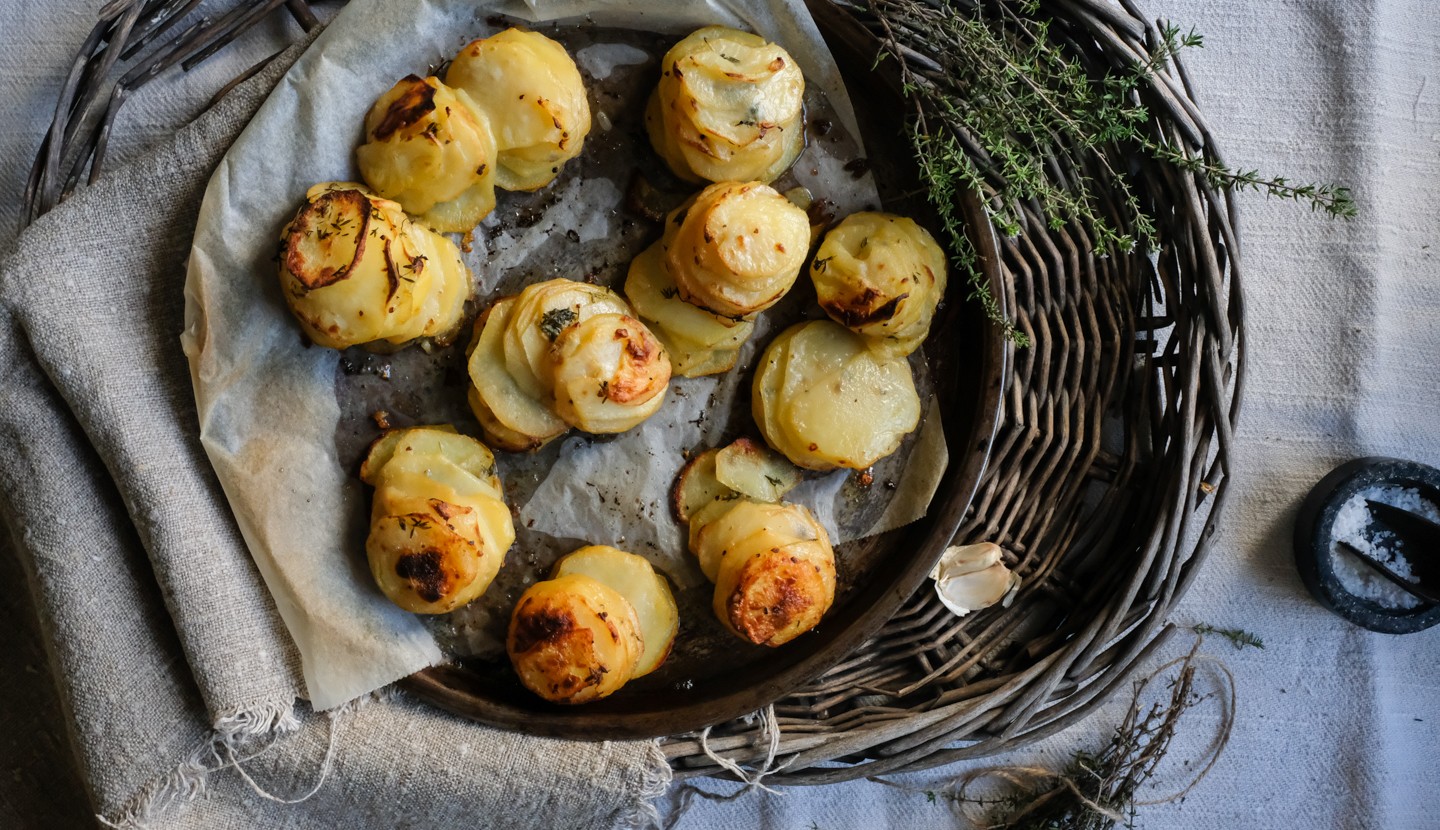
x=574, y=639
x=536, y=100
x=429, y=147
x=355, y=270
x=729, y=107
x=772, y=565
x=825, y=400
x=771, y=595
x=880, y=276
x=608, y=373
x=439, y=530
x=642, y=586
x=736, y=248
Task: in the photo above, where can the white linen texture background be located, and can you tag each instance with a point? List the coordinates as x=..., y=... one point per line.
x=1335, y=728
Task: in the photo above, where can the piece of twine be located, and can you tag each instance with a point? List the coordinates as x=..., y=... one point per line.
x=752, y=779
x=1027, y=777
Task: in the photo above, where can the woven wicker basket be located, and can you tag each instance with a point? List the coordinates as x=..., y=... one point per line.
x=1106, y=477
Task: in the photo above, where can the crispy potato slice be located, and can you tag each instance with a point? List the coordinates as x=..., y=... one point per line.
x=736, y=249
x=773, y=595
x=430, y=148
x=433, y=548
x=881, y=276
x=539, y=315
x=647, y=590
x=755, y=471
x=727, y=531
x=573, y=639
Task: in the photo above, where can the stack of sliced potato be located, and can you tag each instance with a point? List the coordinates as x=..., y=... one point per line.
x=605, y=617
x=439, y=526
x=826, y=400
x=562, y=354
x=771, y=562
x=511, y=110
x=728, y=254
x=729, y=107
x=430, y=148
x=355, y=270
x=536, y=100
x=881, y=276
x=699, y=342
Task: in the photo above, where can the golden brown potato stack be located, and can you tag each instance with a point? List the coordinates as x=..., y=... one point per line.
x=727, y=254
x=881, y=276
x=772, y=563
x=439, y=526
x=355, y=270
x=605, y=617
x=729, y=107
x=430, y=148
x=536, y=101
x=560, y=354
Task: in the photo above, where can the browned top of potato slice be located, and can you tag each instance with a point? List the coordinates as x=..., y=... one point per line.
x=327, y=238
x=776, y=593
x=573, y=639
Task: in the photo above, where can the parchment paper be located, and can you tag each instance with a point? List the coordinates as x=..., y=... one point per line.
x=274, y=419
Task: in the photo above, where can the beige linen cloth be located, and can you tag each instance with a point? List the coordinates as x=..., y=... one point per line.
x=180, y=681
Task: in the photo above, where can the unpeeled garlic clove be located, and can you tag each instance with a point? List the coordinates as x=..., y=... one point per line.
x=971, y=577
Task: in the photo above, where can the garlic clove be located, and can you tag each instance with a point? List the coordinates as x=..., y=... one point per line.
x=971, y=577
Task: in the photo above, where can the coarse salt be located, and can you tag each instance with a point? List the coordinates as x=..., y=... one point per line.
x=1351, y=525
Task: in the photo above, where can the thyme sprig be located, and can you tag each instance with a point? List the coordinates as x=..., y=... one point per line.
x=1002, y=104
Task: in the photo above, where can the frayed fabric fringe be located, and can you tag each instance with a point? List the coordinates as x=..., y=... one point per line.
x=253, y=731
x=642, y=814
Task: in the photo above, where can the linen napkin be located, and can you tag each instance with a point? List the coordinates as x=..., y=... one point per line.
x=180, y=683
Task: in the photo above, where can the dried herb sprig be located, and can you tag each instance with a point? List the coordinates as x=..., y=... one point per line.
x=1003, y=105
x=1098, y=790
x=1239, y=637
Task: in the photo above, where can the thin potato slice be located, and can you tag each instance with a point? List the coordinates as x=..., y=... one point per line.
x=539, y=315
x=513, y=419
x=697, y=486
x=573, y=639
x=728, y=107
x=755, y=471
x=465, y=452
x=535, y=98
x=704, y=516
x=437, y=537
x=647, y=591
x=737, y=248
x=728, y=531
x=430, y=148
x=608, y=373
x=882, y=277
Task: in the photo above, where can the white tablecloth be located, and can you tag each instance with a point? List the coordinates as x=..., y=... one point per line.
x=1335, y=727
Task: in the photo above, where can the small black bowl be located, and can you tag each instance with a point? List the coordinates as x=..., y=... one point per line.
x=1314, y=536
